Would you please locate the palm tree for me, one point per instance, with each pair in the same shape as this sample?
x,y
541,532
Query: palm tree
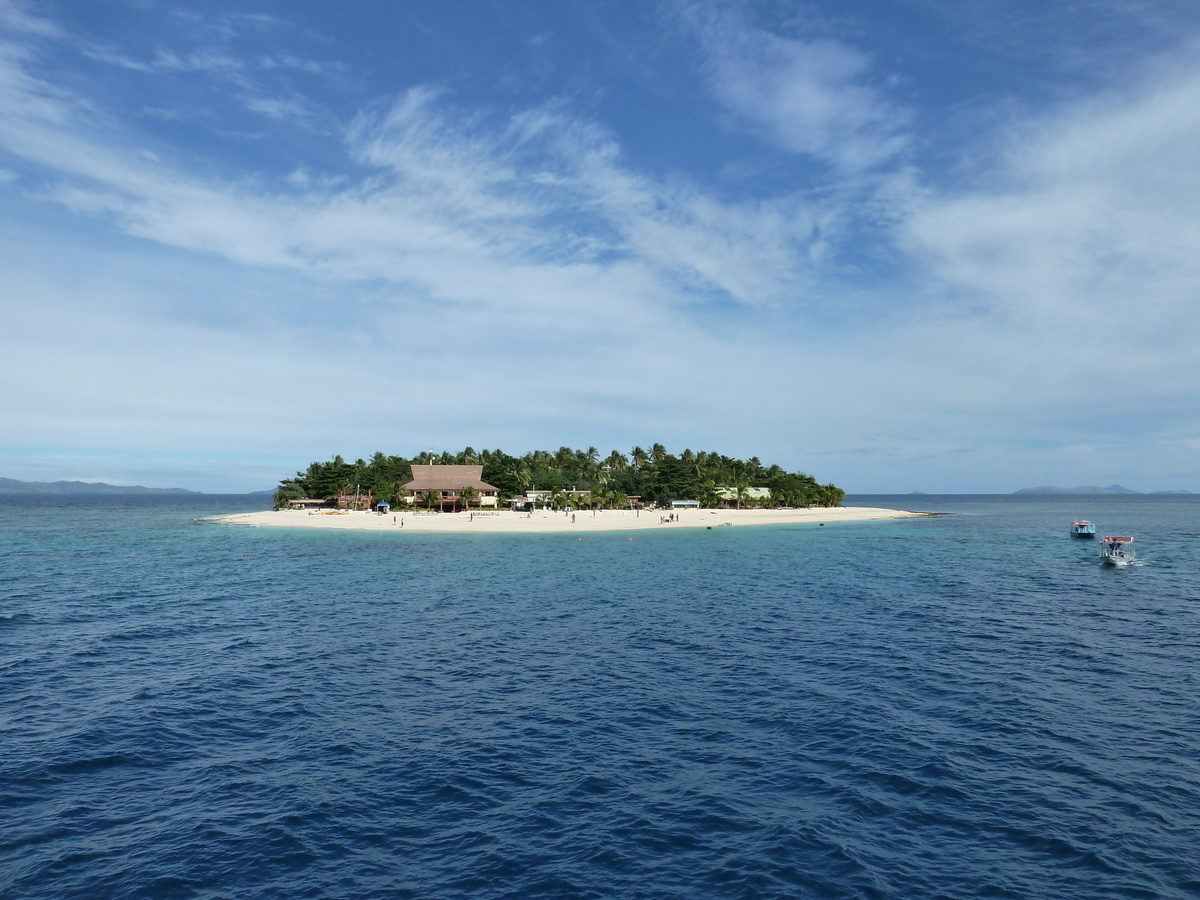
x,y
522,476
754,469
616,461
467,494
743,495
400,496
739,487
658,453
637,456
831,495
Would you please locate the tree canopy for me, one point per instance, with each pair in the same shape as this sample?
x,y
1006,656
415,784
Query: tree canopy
x,y
654,475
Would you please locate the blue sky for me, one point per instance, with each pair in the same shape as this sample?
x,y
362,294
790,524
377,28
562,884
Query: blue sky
x,y
902,246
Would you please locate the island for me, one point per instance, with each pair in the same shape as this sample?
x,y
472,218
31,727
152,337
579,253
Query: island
x,y
13,486
1089,490
563,490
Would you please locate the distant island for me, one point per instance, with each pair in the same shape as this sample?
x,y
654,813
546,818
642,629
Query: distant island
x,y
12,486
1088,489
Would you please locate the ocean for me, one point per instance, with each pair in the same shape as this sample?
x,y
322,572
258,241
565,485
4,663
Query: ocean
x,y
962,706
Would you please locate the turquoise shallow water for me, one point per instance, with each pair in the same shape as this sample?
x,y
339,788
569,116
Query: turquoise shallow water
x,y
951,707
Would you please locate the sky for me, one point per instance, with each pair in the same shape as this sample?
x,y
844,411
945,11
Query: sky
x,y
901,246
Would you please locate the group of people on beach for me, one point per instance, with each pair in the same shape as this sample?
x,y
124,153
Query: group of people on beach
x,y
662,520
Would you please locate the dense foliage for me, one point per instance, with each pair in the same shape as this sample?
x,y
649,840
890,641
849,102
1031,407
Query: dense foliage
x,y
654,475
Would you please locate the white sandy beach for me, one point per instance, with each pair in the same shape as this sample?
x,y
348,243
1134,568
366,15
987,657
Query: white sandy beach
x,y
540,522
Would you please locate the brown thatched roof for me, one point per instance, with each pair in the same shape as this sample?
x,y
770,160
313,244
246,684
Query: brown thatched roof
x,y
448,478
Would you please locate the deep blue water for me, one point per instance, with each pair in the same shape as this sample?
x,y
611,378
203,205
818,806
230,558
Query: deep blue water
x,y
952,707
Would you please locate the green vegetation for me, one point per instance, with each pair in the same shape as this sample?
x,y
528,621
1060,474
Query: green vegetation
x,y
654,475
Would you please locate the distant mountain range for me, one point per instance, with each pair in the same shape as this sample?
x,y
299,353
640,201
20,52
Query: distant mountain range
x,y
12,486
1088,489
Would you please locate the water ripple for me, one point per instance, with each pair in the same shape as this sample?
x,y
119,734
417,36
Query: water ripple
x,y
931,708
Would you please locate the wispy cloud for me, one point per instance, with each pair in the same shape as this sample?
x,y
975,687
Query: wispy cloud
x,y
437,258
813,96
1088,221
537,188
310,66
523,230
268,96
16,17
547,186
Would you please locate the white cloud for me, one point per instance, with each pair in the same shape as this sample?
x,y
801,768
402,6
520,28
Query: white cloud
x,y
469,272
281,106
809,96
206,61
282,109
15,17
474,257
310,66
1083,245
542,192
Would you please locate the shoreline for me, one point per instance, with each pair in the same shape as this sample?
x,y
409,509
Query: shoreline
x,y
548,522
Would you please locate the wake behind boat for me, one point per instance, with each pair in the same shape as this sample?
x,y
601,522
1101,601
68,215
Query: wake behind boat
x,y
1117,551
1083,529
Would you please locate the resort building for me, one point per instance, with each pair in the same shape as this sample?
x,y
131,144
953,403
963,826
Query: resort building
x,y
729,495
449,484
357,500
306,503
572,497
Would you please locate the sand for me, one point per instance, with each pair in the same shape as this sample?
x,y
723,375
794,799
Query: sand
x,y
540,522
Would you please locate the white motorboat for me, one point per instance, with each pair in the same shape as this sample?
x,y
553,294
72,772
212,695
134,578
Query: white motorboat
x,y
1117,551
1083,529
